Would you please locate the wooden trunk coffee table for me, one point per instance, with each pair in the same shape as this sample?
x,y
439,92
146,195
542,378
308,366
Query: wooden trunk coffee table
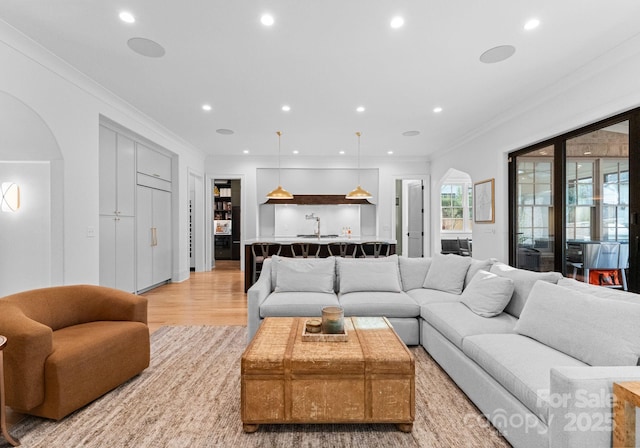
x,y
368,379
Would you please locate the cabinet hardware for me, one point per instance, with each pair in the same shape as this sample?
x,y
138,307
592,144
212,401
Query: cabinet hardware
x,y
154,236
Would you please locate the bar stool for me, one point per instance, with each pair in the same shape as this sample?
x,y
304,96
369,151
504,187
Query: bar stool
x,y
305,250
342,249
260,252
374,249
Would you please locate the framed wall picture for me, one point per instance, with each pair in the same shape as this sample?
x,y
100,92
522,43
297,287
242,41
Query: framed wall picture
x,y
484,201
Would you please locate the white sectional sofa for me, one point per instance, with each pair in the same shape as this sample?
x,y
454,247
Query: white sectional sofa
x,y
537,353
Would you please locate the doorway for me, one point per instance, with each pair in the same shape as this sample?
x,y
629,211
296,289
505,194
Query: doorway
x,y
226,205
409,217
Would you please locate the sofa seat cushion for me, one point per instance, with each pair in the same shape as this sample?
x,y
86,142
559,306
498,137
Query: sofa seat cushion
x,y
291,304
455,321
377,303
521,365
91,359
424,296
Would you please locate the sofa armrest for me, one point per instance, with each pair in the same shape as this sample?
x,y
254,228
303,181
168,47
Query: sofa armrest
x,y
29,344
581,404
257,294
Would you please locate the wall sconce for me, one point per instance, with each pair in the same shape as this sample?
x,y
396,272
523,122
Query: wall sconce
x,y
10,197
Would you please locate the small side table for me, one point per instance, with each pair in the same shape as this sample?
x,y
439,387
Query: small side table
x,y
3,409
626,397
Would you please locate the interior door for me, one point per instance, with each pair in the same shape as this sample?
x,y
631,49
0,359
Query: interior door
x,y
415,222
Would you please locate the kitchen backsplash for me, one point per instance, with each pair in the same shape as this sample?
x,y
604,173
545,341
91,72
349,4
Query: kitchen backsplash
x,y
295,220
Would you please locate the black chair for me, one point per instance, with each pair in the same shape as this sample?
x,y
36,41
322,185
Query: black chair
x,y
342,249
450,247
465,247
374,249
260,252
305,250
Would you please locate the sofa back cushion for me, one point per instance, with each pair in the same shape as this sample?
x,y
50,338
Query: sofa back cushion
x,y
477,265
368,275
413,271
487,294
447,273
599,332
304,274
599,291
523,281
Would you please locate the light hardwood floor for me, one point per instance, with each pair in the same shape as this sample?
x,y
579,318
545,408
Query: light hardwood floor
x,y
215,297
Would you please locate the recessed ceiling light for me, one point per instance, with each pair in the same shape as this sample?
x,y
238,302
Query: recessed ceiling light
x,y
397,22
206,107
146,47
411,133
360,109
295,151
286,108
127,17
437,109
587,153
497,54
224,131
531,24
389,152
246,151
267,20
341,153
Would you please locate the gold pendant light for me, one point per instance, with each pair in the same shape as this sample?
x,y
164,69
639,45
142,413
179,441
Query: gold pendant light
x,y
359,192
279,193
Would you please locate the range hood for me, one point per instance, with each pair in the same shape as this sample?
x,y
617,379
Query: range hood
x,y
318,199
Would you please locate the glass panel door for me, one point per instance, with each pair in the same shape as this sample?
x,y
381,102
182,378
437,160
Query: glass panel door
x,y
597,206
534,213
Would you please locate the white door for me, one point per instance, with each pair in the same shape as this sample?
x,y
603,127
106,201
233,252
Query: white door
x,y
415,221
125,253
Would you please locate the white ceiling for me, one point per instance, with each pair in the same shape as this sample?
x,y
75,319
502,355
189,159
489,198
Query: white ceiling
x,y
325,58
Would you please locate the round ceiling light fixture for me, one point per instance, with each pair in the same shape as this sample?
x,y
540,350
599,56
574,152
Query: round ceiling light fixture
x,y
397,22
532,24
146,47
267,20
127,17
223,131
411,133
360,109
497,54
286,108
206,107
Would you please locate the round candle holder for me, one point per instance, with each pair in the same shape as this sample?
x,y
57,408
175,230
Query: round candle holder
x,y
332,320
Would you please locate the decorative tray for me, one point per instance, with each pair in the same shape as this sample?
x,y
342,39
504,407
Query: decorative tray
x,y
324,337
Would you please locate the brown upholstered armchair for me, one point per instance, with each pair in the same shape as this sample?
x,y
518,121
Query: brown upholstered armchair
x,y
68,345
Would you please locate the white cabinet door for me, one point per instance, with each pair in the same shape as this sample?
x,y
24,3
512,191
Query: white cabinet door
x,y
153,237
144,238
117,252
126,176
107,172
153,163
162,223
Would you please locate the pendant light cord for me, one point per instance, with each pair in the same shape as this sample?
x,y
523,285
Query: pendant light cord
x,y
359,134
279,168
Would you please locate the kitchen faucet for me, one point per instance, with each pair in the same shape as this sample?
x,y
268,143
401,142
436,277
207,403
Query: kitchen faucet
x,y
317,218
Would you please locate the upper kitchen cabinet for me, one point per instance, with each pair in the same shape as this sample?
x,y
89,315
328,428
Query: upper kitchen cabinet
x,y
117,173
154,168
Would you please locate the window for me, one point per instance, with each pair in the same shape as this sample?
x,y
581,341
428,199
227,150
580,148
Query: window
x,y
580,203
456,201
615,200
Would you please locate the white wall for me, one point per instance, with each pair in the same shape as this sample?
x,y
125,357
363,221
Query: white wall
x,y
70,104
606,86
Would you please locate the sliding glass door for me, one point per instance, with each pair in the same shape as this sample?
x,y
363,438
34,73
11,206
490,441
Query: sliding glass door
x,y
574,203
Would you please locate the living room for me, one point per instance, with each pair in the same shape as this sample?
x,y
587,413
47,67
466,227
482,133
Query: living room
x,y
579,66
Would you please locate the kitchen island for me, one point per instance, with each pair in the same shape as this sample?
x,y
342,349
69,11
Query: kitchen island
x,y
285,248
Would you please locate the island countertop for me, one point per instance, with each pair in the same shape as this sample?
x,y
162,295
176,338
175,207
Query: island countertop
x,y
323,240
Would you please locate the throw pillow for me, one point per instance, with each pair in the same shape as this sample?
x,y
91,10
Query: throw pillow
x,y
523,281
599,332
305,275
365,276
487,294
413,272
447,273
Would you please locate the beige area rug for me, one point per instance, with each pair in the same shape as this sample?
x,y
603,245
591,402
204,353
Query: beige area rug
x,y
190,397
